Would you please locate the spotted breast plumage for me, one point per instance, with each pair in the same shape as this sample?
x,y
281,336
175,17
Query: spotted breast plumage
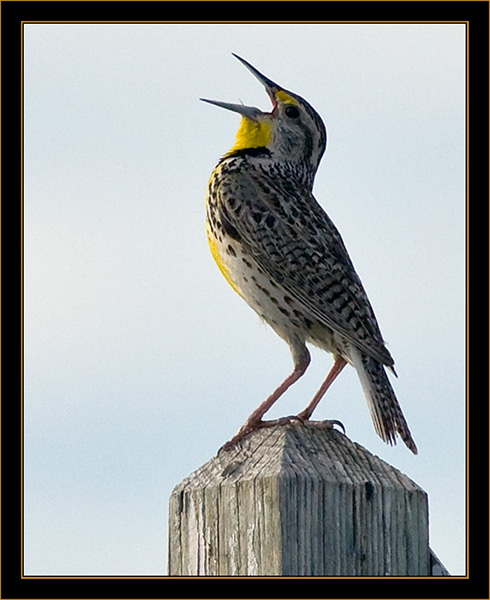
x,y
281,252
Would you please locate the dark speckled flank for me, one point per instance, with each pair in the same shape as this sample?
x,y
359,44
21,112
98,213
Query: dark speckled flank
x,y
286,234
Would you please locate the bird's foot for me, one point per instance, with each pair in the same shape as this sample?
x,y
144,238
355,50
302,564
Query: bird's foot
x,y
254,424
250,425
282,421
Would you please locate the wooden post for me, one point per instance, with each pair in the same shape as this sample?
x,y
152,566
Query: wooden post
x,y
298,500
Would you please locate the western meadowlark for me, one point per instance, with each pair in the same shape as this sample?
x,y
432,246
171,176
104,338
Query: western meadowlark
x,y
281,253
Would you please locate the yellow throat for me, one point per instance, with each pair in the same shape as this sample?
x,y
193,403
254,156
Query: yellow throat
x,y
252,134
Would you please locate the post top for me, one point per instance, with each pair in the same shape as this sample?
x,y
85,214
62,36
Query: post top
x,y
298,450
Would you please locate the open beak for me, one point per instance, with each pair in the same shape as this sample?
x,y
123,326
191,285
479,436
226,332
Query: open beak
x,y
247,111
250,111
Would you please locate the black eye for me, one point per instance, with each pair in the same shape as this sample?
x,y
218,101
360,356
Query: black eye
x,y
292,112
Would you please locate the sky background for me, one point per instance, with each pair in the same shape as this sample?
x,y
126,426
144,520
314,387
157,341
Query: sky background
x,y
140,360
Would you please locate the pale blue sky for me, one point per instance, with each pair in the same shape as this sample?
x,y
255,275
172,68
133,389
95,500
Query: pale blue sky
x,y
140,361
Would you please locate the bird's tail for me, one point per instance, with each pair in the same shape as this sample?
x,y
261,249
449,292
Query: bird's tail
x,y
385,411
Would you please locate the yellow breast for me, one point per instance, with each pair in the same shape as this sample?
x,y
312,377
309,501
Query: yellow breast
x,y
218,257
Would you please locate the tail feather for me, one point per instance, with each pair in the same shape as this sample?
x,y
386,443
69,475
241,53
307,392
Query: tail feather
x,y
385,411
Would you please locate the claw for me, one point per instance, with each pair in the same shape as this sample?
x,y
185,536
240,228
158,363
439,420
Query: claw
x,y
328,423
339,423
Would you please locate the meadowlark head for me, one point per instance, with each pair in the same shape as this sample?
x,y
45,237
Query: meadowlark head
x,y
291,132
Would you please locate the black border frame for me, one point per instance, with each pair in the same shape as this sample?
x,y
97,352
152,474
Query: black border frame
x,y
476,14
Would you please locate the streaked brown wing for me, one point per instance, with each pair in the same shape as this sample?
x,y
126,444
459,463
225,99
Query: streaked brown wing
x,y
294,241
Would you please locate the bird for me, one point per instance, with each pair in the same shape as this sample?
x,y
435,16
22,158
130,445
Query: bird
x,y
281,252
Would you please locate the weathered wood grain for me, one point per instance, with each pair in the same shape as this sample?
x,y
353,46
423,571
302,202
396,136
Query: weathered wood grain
x,y
298,500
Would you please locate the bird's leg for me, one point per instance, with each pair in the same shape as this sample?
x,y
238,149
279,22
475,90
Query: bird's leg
x,y
338,365
301,362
